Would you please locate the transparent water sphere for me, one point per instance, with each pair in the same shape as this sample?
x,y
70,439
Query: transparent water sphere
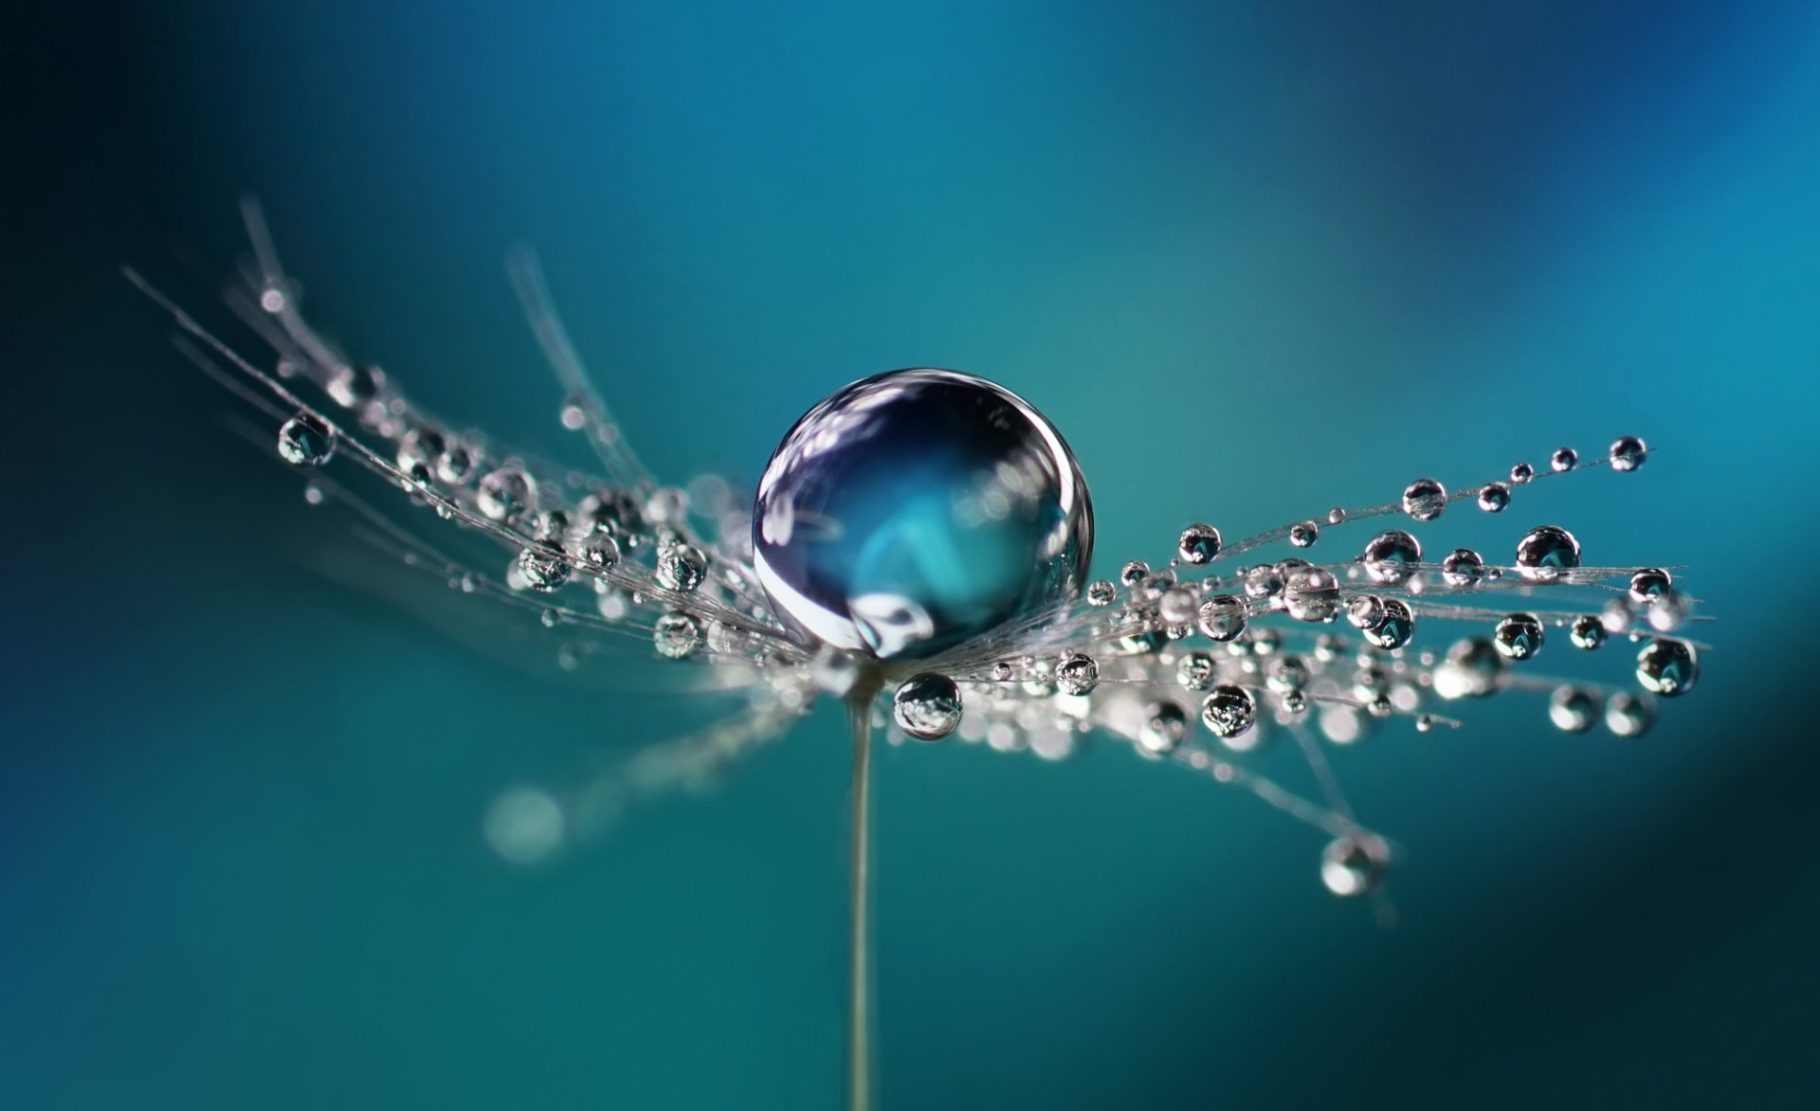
x,y
1667,667
1354,865
927,706
917,510
304,441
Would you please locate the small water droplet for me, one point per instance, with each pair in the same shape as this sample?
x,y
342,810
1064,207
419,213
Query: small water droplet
x,y
355,386
1586,632
1648,584
1354,866
676,636
1165,726
1222,617
1263,582
305,441
1394,626
1572,709
1312,594
1229,711
1287,674
1388,556
1424,499
524,825
1364,610
1628,453
1462,567
1177,606
1547,551
681,568
1199,543
1626,715
505,493
1471,669
1518,636
1194,671
1077,673
598,550
927,706
542,571
1667,667
456,465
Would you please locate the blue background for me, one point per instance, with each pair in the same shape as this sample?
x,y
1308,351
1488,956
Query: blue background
x,y
1252,261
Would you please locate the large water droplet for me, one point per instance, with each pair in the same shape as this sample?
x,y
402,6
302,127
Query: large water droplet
x,y
917,510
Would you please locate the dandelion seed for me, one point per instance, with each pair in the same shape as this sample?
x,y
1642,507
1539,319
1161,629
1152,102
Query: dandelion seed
x,y
960,592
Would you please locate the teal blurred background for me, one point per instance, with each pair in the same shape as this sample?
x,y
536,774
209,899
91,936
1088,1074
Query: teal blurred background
x,y
1253,261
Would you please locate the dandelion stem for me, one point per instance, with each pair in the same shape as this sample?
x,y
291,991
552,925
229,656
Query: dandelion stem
x,y
859,1011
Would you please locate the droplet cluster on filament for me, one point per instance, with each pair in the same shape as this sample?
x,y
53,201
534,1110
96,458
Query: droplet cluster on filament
x,y
923,539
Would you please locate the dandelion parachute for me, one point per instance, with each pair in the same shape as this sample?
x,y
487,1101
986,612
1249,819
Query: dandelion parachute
x,y
946,596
